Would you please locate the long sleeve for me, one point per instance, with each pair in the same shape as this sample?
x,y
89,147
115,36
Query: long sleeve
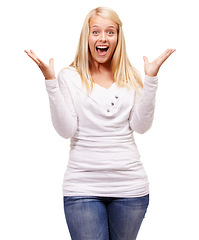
x,y
63,115
142,113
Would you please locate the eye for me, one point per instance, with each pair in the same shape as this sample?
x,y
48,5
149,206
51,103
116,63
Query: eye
x,y
95,32
110,33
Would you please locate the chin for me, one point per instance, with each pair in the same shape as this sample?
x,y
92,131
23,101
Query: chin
x,y
102,60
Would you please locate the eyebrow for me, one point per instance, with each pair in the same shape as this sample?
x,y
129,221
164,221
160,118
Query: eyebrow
x,y
107,27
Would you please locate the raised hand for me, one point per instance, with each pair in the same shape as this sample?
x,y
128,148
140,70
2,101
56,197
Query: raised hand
x,y
47,70
151,68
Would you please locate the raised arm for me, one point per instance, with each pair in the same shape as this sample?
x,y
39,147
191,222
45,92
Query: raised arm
x,y
63,114
142,113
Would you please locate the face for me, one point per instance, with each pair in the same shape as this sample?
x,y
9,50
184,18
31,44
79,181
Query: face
x,y
102,39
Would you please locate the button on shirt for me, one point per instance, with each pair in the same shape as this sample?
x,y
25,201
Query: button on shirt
x,y
103,158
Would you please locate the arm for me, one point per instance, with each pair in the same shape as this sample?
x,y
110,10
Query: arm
x,y
62,110
63,115
142,113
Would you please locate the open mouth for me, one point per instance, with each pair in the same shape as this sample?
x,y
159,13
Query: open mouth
x,y
102,49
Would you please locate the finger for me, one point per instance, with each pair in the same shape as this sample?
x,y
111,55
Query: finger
x,y
41,62
173,50
35,57
32,52
165,55
168,52
32,56
162,56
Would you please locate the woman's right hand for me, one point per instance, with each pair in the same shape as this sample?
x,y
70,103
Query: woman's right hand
x,y
47,70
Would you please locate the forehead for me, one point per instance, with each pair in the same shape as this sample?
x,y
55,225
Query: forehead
x,y
97,21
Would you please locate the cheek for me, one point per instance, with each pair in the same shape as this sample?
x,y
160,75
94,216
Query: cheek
x,y
91,42
90,48
114,44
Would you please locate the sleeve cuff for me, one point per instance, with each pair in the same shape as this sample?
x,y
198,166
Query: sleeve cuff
x,y
153,81
51,83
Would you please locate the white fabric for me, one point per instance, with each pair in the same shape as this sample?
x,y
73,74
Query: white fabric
x,y
103,159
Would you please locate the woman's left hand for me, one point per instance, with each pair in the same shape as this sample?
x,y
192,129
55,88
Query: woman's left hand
x,y
151,68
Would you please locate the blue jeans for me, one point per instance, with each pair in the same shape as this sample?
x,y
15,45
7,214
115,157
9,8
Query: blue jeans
x,y
104,218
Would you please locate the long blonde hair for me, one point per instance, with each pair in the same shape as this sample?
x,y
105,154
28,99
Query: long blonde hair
x,y
125,75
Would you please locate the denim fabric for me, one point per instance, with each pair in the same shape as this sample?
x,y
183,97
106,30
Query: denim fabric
x,y
104,218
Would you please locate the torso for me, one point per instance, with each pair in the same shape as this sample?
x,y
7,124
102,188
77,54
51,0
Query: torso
x,y
103,159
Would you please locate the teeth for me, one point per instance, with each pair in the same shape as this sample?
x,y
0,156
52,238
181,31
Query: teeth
x,y
102,47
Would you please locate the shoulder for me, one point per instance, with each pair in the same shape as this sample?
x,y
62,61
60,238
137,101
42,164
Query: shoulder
x,y
67,74
69,77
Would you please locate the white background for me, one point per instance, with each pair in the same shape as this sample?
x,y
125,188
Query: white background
x,y
34,157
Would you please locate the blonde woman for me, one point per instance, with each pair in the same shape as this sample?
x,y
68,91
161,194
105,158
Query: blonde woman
x,y
98,102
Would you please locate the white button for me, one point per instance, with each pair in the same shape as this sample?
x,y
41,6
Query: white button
x,y
112,104
108,110
116,97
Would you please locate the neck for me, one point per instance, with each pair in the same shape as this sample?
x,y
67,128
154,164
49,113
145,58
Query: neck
x,y
100,67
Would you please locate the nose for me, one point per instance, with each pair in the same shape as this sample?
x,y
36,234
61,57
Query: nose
x,y
103,37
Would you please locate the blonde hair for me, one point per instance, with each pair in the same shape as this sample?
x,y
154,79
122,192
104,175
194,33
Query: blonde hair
x,y
125,75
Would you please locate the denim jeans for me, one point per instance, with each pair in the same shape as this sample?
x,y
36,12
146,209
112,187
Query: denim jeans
x,y
104,218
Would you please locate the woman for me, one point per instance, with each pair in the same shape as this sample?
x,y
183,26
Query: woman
x,y
98,102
